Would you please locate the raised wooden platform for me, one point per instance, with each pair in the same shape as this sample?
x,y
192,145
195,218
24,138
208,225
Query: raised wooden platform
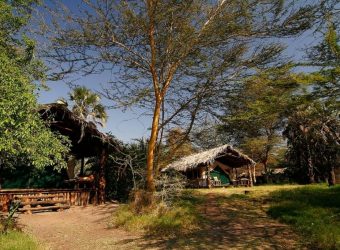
x,y
38,203
37,198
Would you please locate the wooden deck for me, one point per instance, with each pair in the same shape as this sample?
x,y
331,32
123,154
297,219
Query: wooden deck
x,y
202,183
71,197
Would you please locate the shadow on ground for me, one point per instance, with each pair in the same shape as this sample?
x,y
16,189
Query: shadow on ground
x,y
230,223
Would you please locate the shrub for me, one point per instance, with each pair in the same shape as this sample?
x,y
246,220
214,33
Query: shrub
x,y
160,219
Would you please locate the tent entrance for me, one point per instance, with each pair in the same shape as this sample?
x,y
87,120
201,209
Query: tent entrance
x,y
221,175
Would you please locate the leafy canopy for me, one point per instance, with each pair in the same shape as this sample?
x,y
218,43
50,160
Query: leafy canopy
x,y
24,138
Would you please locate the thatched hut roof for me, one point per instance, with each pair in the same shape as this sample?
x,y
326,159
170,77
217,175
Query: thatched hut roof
x,y
86,139
225,154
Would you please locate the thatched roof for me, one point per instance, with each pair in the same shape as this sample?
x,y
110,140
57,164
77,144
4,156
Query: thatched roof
x,y
225,154
86,139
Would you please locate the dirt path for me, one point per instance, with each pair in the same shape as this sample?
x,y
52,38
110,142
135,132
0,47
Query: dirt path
x,y
242,224
77,228
235,223
229,223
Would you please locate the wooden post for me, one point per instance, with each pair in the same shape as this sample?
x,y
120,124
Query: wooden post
x,y
254,173
1,171
101,176
250,177
208,176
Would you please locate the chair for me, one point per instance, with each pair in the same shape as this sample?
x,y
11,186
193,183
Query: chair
x,y
217,182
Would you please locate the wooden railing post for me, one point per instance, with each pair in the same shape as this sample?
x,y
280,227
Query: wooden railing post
x,y
102,181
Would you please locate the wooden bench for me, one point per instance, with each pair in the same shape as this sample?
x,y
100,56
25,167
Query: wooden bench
x,y
41,202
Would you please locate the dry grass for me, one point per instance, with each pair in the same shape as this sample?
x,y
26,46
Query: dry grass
x,y
181,218
14,240
256,191
313,211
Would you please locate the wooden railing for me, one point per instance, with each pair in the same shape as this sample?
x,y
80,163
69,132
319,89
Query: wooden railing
x,y
74,197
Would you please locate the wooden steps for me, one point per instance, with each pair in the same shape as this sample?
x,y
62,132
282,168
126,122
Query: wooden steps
x,y
35,203
53,208
41,202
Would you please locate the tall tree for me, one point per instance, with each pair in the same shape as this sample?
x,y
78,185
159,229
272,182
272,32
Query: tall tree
x,y
173,56
324,60
313,141
24,138
254,120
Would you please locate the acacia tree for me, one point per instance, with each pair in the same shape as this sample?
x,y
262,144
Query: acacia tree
x,y
259,107
325,58
313,141
313,129
172,56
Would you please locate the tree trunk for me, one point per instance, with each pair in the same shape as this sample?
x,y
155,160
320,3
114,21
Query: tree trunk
x,y
265,165
1,170
311,178
71,164
101,177
82,165
331,177
150,185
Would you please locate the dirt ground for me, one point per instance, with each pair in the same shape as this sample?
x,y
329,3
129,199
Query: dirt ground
x,y
230,224
76,228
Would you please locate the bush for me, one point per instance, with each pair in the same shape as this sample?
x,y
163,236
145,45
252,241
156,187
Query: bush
x,y
15,240
170,186
11,238
160,219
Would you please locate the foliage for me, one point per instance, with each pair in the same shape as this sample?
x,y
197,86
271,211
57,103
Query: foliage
x,y
313,141
179,219
257,112
326,57
313,128
173,57
86,105
32,177
169,186
10,236
314,213
177,145
24,138
125,170
14,16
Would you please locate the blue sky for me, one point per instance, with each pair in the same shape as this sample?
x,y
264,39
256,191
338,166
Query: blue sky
x,y
130,124
125,126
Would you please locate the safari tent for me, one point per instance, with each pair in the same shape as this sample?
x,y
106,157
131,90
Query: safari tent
x,y
215,167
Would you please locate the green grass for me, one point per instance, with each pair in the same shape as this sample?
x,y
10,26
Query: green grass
x,y
181,218
14,240
314,211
